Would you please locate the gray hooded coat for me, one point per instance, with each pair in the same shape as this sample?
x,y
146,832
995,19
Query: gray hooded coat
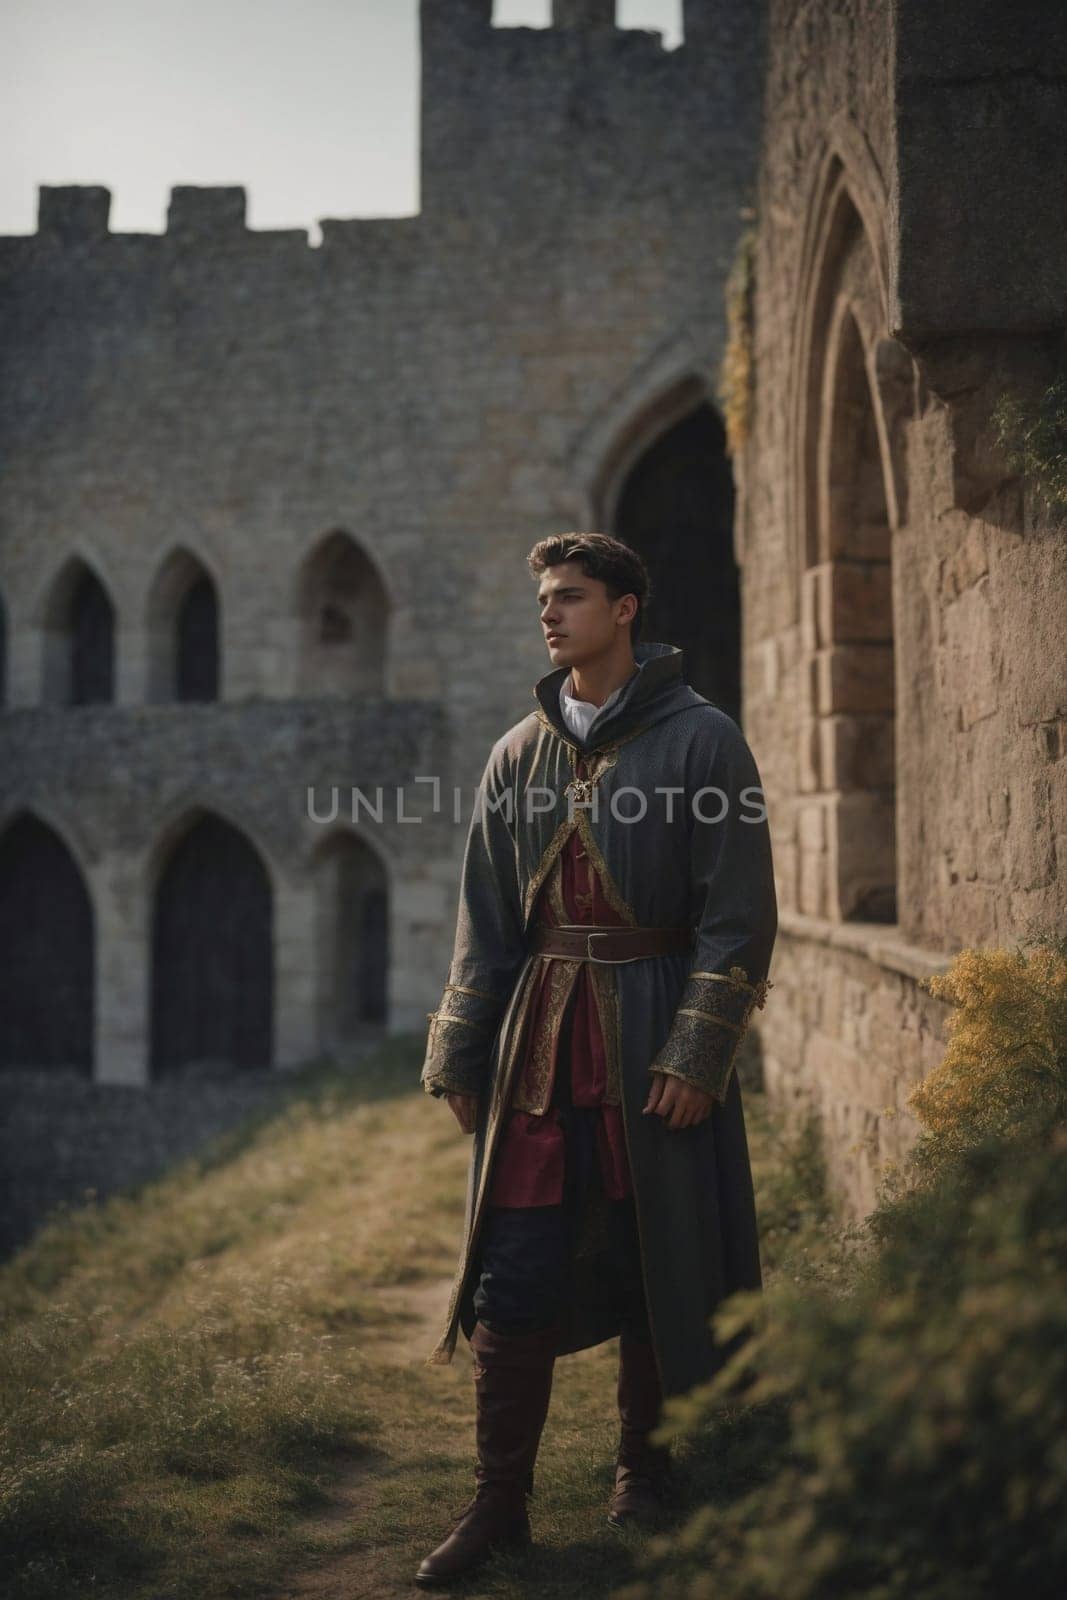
x,y
673,819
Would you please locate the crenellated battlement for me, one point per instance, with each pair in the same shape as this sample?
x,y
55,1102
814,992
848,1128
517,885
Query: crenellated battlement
x,y
208,220
594,116
73,213
196,213
582,108
599,121
78,215
468,18
704,22
583,13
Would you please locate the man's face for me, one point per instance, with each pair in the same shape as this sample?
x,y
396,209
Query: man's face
x,y
578,619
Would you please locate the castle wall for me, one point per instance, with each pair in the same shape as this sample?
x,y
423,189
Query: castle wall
x,y
65,1141
863,110
442,388
448,388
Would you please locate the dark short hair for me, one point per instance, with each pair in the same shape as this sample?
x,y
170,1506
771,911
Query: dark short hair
x,y
619,568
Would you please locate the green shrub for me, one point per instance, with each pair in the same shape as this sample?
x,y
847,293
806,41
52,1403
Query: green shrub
x,y
925,1454
1033,435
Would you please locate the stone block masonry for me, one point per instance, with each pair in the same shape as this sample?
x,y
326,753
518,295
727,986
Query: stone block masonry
x,y
351,445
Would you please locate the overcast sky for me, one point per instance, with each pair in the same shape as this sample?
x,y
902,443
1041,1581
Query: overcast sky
x,y
311,105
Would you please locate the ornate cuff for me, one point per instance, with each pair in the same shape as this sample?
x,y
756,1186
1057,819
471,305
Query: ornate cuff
x,y
460,1039
709,1024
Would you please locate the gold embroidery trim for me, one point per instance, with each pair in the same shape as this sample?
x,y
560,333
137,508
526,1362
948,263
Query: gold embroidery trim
x,y
608,755
709,1016
448,1081
483,994
613,744
548,861
687,1053
606,995
464,1022
538,1074
607,882
737,978
520,1026
554,890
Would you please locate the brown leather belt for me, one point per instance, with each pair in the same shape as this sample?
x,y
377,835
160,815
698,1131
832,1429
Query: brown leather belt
x,y
594,942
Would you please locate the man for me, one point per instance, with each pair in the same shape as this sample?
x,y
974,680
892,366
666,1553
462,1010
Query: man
x,y
616,921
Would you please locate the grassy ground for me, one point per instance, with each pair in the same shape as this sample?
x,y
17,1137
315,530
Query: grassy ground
x,y
218,1387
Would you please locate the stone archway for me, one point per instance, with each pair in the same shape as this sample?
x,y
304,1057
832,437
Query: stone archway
x,y
183,631
351,942
853,395
79,638
212,952
675,506
46,951
342,611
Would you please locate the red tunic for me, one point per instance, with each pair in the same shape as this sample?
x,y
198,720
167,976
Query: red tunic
x,y
530,1162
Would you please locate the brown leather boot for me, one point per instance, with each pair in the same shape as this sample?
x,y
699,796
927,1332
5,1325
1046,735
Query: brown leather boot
x,y
642,1470
512,1385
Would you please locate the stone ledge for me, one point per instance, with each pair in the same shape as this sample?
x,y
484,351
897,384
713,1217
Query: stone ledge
x,y
877,941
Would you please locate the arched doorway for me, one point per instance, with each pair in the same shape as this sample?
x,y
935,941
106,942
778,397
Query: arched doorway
x,y
46,952
212,952
352,942
675,507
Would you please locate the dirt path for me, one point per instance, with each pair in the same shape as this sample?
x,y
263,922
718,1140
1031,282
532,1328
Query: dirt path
x,y
373,1565
422,1308
400,1500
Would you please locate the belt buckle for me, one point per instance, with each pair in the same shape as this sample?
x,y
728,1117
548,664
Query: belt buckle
x,y
605,961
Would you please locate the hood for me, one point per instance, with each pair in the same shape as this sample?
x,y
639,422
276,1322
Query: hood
x,y
656,690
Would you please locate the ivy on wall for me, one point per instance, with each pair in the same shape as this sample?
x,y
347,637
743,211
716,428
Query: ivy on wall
x,y
1032,432
737,373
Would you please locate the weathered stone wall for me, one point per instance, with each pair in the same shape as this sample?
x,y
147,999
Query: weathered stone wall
x,y
65,1141
981,770
437,385
120,783
980,88
865,105
450,387
445,389
849,1033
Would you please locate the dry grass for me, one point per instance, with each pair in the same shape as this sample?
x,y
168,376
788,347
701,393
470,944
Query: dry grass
x,y
217,1387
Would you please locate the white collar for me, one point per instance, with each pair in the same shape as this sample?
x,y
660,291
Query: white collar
x,y
573,700
581,715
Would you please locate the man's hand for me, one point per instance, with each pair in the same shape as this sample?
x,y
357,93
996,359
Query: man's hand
x,y
680,1104
465,1107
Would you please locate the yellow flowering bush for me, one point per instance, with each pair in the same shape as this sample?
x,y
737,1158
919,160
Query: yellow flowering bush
x,y
896,1432
737,375
1006,1057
